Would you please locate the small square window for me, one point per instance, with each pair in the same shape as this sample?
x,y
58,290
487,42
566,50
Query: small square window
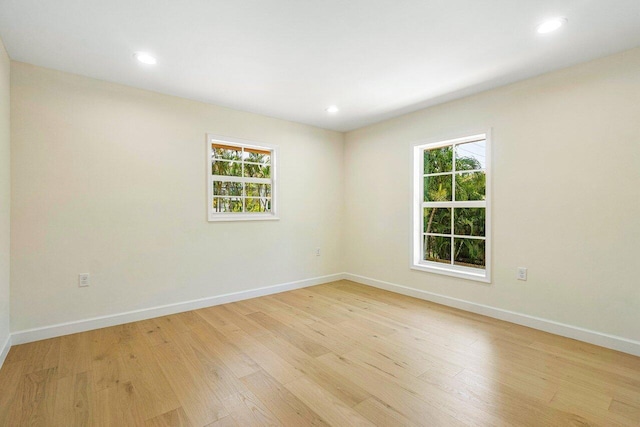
x,y
241,180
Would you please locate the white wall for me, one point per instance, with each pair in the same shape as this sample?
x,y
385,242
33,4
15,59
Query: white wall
x,y
566,185
5,195
110,180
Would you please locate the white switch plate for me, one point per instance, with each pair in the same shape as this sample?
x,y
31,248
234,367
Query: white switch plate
x,y
317,251
522,273
83,280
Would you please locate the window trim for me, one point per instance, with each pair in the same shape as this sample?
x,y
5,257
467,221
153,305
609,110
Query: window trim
x,y
242,216
417,199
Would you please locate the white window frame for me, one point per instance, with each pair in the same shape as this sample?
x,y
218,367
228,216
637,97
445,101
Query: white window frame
x,y
242,216
418,204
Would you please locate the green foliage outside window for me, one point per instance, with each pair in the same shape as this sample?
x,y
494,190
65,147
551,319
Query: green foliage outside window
x,y
233,196
466,183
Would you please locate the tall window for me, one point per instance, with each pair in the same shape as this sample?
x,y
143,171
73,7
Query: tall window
x,y
451,207
242,180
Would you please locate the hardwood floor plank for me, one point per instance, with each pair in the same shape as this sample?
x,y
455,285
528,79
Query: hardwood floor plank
x,y
175,418
196,396
37,402
63,412
191,319
108,372
264,305
218,320
217,344
228,319
14,413
117,406
412,311
162,330
37,356
83,398
75,401
591,361
154,394
325,403
297,339
513,406
389,365
284,405
220,379
403,351
227,421
363,308
339,385
482,363
316,308
530,383
74,354
582,397
333,293
264,357
381,414
406,401
625,395
291,315
474,408
152,332
317,330
559,367
243,307
578,348
247,410
11,376
625,410
104,343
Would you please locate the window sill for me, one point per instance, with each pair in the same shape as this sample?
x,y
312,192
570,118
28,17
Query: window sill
x,y
443,270
243,217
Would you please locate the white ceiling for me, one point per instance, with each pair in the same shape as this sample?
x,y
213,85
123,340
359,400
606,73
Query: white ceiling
x,y
291,59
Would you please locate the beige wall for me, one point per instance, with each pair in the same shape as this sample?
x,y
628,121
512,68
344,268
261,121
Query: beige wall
x,y
566,185
110,180
5,194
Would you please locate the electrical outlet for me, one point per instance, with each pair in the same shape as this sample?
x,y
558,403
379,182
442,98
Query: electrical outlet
x,y
522,273
317,251
83,280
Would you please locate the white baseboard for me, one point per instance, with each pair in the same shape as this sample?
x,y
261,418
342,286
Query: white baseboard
x,y
598,338
36,334
4,350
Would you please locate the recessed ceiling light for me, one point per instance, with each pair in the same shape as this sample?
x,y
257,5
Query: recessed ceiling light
x,y
145,58
551,25
332,109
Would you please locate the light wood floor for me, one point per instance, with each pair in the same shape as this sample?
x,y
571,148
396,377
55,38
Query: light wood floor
x,y
338,354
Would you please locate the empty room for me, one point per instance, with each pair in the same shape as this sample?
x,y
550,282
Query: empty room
x,y
332,213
